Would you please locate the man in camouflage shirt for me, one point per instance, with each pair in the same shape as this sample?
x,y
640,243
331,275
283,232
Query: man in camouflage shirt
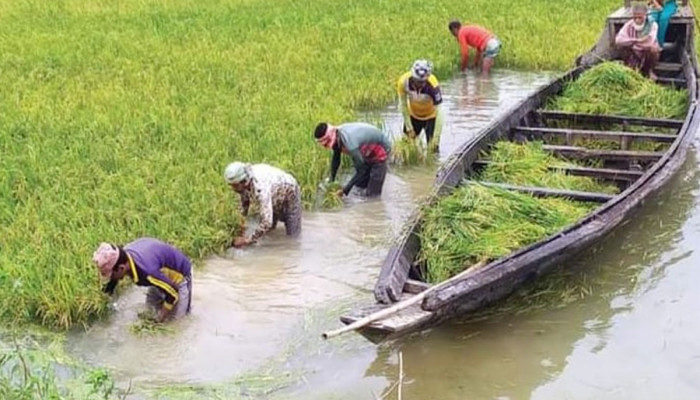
x,y
276,192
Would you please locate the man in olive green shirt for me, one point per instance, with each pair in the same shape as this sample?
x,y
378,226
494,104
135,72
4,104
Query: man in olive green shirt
x,y
369,148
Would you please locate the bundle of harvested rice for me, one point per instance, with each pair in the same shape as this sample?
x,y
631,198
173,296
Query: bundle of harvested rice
x,y
613,88
528,165
477,223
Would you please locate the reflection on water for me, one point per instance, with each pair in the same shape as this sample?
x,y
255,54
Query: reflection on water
x,y
618,322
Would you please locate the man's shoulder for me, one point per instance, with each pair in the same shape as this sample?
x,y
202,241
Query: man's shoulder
x,y
433,81
403,78
270,174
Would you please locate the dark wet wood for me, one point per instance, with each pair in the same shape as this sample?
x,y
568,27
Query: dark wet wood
x,y
593,134
668,67
609,119
413,286
675,82
582,153
390,283
599,173
549,192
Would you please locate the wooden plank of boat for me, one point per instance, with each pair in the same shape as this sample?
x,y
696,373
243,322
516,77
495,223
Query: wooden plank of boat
x,y
593,134
675,82
612,155
399,321
668,67
548,192
613,119
413,286
600,173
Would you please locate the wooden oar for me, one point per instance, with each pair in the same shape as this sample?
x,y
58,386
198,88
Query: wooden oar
x,y
401,305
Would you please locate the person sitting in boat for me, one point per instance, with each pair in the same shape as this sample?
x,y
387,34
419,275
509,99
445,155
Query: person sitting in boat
x,y
420,101
369,148
637,42
486,44
149,262
661,12
276,192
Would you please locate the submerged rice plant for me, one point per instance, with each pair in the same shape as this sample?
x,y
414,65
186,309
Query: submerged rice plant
x,y
328,196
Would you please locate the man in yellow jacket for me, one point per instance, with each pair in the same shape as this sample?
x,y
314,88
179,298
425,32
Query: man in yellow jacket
x,y
420,100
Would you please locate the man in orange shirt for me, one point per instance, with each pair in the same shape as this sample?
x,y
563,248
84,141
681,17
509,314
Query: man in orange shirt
x,y
486,44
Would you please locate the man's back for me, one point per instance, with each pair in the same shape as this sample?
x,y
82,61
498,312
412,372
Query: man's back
x,y
473,36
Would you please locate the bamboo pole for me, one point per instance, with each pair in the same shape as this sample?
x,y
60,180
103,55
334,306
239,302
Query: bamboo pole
x,y
400,373
401,305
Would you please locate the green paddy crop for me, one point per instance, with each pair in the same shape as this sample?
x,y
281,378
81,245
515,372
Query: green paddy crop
x,y
528,165
119,117
479,224
612,88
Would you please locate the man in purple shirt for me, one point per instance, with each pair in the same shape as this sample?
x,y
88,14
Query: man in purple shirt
x,y
153,263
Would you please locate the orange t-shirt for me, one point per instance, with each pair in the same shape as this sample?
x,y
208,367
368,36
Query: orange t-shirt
x,y
473,36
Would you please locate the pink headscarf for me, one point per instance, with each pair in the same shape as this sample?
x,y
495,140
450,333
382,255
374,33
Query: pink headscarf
x,y
105,258
328,139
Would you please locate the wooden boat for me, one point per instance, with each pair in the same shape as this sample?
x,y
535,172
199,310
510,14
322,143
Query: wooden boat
x,y
403,303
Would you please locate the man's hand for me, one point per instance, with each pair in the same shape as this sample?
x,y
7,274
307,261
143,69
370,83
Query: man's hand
x,y
240,242
340,193
163,315
411,133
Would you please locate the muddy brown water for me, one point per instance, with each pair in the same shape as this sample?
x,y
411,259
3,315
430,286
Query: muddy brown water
x,y
619,322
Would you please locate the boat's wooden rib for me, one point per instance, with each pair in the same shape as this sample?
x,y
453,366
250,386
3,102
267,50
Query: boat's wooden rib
x,y
609,119
414,286
593,134
668,67
466,292
610,174
675,82
582,153
549,192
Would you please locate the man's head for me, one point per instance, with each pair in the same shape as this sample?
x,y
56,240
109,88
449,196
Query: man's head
x,y
454,26
639,14
325,135
420,72
111,261
237,175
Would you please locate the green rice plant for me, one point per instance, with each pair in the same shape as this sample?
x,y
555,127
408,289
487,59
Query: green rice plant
x,y
528,165
328,196
406,151
478,223
147,325
612,88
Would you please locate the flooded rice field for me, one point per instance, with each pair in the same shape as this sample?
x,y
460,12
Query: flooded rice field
x,y
619,322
